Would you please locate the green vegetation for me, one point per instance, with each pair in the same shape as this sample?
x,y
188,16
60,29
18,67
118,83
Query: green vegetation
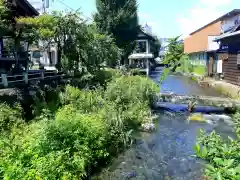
x,y
174,54
199,70
119,18
178,61
173,57
81,47
76,128
77,134
186,67
222,155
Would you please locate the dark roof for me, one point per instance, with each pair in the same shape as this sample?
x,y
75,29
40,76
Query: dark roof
x,y
144,35
27,6
229,14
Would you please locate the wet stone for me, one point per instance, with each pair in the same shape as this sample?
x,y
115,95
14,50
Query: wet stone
x,y
148,127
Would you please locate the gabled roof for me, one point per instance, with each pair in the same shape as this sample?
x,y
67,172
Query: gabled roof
x,y
229,14
27,6
145,35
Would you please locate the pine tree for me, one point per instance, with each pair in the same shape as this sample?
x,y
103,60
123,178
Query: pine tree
x,y
119,18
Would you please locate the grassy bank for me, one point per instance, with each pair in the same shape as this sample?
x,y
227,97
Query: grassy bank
x,y
76,131
188,68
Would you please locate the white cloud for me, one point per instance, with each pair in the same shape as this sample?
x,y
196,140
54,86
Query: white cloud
x,y
203,13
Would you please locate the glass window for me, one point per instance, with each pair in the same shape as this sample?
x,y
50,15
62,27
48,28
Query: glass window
x,y
37,54
141,47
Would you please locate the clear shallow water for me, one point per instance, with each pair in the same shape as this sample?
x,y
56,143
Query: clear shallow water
x,y
181,85
167,153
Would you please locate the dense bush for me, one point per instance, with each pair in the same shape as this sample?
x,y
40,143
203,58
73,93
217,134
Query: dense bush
x,y
104,76
221,154
9,117
85,128
46,98
65,147
131,89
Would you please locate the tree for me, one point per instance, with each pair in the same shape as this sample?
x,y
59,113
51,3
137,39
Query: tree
x,y
119,19
174,53
155,47
173,56
81,47
7,18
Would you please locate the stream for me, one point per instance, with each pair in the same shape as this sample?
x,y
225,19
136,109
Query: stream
x,y
167,153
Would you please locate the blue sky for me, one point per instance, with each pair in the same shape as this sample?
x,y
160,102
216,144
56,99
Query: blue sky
x,y
168,18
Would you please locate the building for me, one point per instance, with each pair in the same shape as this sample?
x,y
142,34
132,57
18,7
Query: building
x,y
142,57
42,58
42,6
8,58
201,45
229,51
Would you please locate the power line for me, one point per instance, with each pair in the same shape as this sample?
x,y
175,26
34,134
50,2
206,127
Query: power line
x,y
62,2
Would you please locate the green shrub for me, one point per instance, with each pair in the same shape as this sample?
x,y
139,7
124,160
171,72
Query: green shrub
x,y
9,117
46,99
85,129
67,147
131,89
85,100
136,72
128,99
199,70
104,76
222,155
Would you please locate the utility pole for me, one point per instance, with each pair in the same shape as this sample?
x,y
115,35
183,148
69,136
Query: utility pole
x,y
43,6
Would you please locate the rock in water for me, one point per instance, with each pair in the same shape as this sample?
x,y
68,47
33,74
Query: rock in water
x,y
148,127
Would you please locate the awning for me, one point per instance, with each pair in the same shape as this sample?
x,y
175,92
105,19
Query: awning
x,y
141,56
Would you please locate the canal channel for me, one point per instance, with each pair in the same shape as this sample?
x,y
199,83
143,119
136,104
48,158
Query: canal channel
x,y
167,153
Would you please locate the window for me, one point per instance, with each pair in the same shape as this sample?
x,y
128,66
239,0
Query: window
x,y
37,54
141,47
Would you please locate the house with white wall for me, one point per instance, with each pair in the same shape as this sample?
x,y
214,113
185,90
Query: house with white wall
x,y
142,57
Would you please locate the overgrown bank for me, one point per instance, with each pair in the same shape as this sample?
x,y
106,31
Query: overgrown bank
x,y
222,155
77,132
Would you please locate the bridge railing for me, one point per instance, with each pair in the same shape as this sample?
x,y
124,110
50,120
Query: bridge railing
x,y
25,78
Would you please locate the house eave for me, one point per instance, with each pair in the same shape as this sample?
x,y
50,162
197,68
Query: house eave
x,y
227,35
